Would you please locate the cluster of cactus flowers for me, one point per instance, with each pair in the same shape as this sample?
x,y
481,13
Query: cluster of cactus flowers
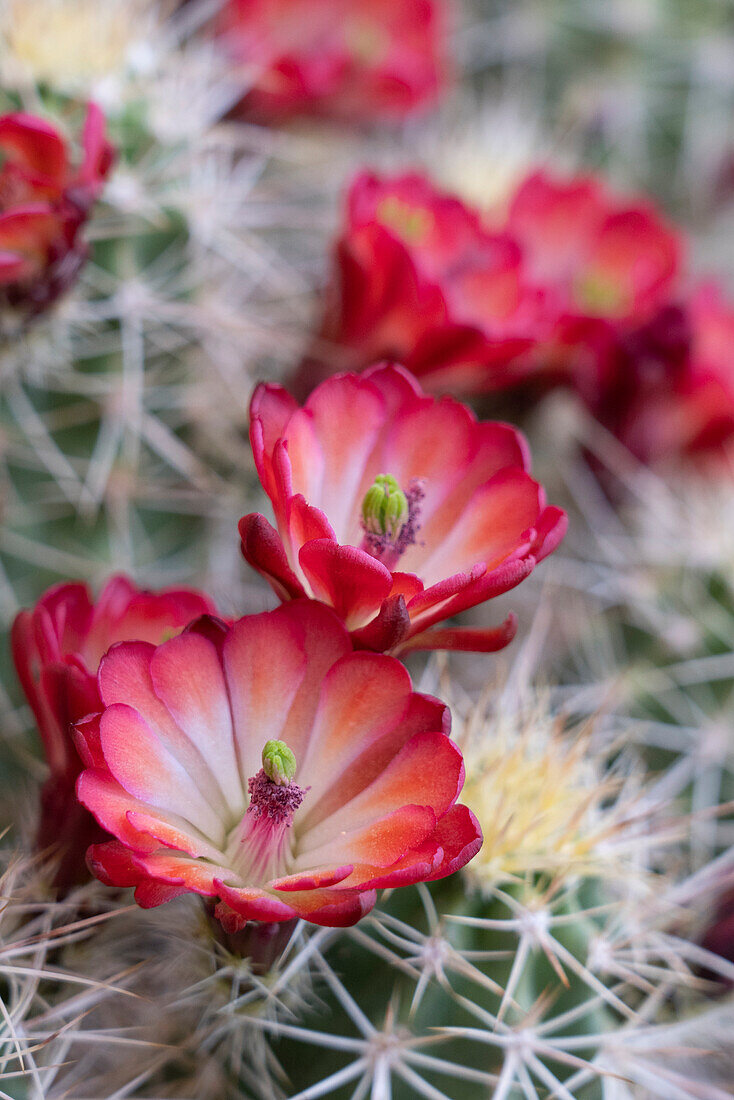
x,y
169,734
564,283
264,782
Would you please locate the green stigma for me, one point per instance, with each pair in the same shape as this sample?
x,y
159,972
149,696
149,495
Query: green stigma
x,y
279,763
385,507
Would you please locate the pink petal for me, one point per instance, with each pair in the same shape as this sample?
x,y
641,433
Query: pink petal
x,y
422,714
270,408
387,630
491,527
264,551
499,445
13,267
30,229
112,863
466,639
456,839
110,803
460,835
188,678
363,697
176,869
466,590
347,413
313,880
328,906
34,144
174,834
305,461
63,695
254,904
305,523
264,666
378,843
142,765
149,894
428,771
397,386
88,742
124,677
550,528
125,613
63,617
325,641
407,585
349,580
98,153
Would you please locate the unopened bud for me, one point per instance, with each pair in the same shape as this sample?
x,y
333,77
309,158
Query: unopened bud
x,y
279,763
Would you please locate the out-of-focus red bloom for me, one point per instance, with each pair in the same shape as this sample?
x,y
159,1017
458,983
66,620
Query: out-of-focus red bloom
x,y
44,202
418,279
180,769
671,394
57,647
719,937
602,256
396,508
357,61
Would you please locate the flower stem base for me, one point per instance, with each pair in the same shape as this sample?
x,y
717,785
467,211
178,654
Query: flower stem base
x,y
260,942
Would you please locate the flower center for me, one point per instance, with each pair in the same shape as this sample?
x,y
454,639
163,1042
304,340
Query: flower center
x,y
411,223
259,847
600,294
390,518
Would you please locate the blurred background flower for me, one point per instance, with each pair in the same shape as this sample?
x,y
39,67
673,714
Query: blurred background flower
x,y
532,204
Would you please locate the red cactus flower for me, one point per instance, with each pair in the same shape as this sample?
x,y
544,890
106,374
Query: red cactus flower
x,y
57,647
44,202
719,936
270,766
382,58
419,280
397,509
607,265
670,397
602,256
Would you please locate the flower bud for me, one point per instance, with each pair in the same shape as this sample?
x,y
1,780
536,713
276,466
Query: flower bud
x,y
279,763
385,507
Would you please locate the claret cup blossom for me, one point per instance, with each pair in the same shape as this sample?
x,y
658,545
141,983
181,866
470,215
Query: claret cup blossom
x,y
356,61
418,278
603,256
45,200
57,647
398,509
272,769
